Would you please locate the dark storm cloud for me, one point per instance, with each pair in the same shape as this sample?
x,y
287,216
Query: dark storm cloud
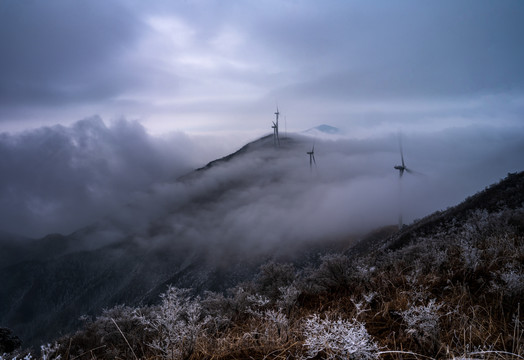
x,y
61,52
204,63
414,50
57,179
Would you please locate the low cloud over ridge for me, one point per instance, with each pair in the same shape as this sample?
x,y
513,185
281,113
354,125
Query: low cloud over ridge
x,y
264,198
59,179
56,179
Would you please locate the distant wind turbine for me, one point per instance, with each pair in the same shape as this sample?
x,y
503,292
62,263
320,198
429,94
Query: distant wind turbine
x,y
312,157
401,169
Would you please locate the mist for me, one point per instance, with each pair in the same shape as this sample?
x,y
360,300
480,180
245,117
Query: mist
x,y
61,179
57,179
266,199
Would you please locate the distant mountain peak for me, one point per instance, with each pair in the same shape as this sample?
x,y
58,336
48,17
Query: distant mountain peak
x,y
323,130
328,129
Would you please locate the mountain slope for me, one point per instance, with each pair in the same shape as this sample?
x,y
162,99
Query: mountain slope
x,y
209,231
170,235
453,290
508,194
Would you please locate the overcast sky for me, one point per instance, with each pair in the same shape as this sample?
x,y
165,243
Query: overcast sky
x,y
108,97
207,66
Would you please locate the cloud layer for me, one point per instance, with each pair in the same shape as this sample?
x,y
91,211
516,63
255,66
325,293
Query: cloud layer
x,y
219,65
265,199
56,179
60,179
449,74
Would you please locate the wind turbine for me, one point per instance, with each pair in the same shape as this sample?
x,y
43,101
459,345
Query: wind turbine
x,y
312,157
401,169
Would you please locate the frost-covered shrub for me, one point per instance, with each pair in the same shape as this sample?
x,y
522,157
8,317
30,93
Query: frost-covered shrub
x,y
360,306
288,297
271,326
417,293
256,304
470,254
177,324
220,309
276,317
338,339
364,271
16,356
273,276
116,333
335,271
422,322
49,352
238,300
369,297
108,325
513,278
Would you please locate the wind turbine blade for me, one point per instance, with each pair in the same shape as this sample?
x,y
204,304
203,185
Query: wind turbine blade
x,y
414,172
401,151
314,159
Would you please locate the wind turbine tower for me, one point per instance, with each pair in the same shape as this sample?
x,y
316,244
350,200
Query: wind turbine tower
x,y
312,157
276,138
401,169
